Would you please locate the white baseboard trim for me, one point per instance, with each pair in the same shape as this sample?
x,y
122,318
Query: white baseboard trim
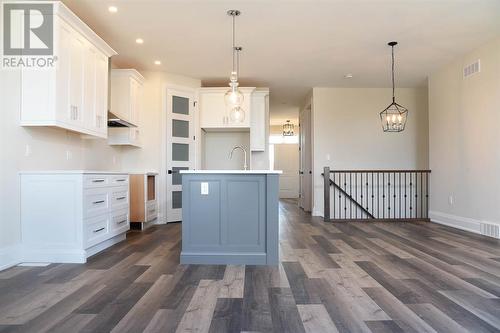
x,y
55,255
10,256
316,212
454,221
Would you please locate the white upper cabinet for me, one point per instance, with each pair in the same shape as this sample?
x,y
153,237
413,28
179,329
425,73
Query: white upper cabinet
x,y
214,114
126,104
126,94
73,94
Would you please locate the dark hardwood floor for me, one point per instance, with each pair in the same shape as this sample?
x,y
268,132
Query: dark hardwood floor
x,y
342,277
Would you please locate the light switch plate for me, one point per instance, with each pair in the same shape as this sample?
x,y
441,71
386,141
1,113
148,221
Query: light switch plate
x,y
204,188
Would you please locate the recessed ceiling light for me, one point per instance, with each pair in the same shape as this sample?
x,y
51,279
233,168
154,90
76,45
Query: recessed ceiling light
x,y
348,76
139,41
112,9
157,62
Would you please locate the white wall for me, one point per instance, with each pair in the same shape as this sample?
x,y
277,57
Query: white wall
x,y
50,148
464,123
347,133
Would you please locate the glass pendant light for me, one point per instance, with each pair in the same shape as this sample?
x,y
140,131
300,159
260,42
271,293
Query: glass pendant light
x,y
237,113
394,116
233,97
288,129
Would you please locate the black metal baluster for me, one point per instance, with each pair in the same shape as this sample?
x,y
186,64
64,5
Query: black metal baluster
x,y
345,198
421,195
406,205
410,201
356,193
367,192
373,210
388,195
399,215
333,174
427,195
383,195
350,193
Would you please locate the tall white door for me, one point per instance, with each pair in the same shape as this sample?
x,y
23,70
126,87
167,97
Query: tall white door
x,y
286,158
180,147
305,201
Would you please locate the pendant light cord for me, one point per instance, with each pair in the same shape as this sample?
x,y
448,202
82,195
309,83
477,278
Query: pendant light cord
x,y
393,95
234,43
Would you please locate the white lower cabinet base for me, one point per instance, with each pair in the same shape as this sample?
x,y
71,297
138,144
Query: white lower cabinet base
x,y
67,216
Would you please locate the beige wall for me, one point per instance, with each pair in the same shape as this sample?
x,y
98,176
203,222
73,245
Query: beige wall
x,y
347,133
464,123
50,147
218,145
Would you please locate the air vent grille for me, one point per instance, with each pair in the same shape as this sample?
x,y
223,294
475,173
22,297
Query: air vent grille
x,y
491,230
472,69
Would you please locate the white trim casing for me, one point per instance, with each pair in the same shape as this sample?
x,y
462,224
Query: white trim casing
x,y
459,222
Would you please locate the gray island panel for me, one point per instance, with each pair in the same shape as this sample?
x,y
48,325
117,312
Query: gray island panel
x,y
236,222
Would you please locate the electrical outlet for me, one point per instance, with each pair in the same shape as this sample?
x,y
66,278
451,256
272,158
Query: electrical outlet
x,y
27,151
114,159
451,200
328,157
204,188
69,155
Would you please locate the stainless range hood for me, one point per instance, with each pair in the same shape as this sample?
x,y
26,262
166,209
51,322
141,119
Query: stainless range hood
x,y
113,120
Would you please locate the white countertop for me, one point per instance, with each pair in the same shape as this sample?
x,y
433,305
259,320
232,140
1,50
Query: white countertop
x,y
244,172
37,172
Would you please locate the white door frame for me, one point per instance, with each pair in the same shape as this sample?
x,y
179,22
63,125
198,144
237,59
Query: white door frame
x,y
306,159
162,183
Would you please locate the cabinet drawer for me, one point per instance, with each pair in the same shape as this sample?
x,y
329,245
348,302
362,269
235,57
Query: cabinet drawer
x,y
92,181
96,202
116,180
119,197
151,211
119,221
96,230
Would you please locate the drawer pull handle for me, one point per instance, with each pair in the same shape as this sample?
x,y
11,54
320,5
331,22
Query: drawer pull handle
x,y
121,180
121,221
100,229
98,202
121,198
98,181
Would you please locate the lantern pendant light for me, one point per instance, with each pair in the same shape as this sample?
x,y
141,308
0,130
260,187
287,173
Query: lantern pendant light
x,y
233,97
394,116
288,129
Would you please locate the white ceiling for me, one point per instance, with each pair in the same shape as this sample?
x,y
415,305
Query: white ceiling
x,y
293,45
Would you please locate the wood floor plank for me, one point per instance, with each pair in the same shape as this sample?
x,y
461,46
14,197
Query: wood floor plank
x,y
316,319
384,326
436,318
227,315
199,312
139,316
232,285
111,315
256,311
284,313
402,315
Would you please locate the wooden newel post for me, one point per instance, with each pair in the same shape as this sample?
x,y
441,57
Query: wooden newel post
x,y
326,194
